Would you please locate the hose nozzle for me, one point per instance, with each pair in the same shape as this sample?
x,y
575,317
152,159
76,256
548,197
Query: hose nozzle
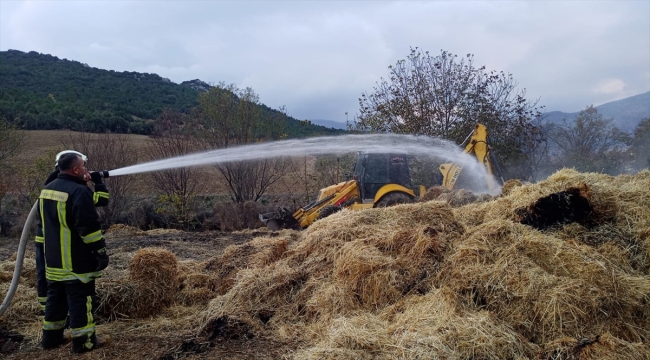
x,y
104,173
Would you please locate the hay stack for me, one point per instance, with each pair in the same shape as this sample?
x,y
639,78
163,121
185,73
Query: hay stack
x,y
430,281
150,286
260,251
351,260
544,287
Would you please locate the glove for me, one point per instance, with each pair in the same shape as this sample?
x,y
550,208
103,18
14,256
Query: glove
x,y
96,177
102,258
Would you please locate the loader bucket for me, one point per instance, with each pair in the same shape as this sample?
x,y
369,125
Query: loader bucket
x,y
280,219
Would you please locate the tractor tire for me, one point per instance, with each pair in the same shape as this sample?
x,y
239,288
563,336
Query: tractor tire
x,y
394,198
328,210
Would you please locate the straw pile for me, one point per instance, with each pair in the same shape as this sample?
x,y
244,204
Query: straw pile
x,y
435,279
150,286
121,230
430,280
259,252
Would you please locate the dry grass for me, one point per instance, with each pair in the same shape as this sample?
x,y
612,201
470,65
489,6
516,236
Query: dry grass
x,y
426,280
493,288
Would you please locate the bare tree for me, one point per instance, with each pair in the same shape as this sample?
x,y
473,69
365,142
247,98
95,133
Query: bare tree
x,y
31,178
178,187
331,169
231,116
640,149
108,151
10,142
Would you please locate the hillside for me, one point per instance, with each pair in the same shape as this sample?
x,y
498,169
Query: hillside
x,y
329,123
43,92
626,113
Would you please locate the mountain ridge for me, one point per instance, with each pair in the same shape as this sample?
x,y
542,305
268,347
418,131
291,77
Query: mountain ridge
x,y
625,113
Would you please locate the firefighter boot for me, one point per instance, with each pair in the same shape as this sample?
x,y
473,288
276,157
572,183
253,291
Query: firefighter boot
x,y
83,343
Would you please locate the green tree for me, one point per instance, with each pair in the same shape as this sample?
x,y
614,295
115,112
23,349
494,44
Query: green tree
x,y
445,96
591,144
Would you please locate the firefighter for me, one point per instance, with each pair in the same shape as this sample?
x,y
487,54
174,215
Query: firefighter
x,y
100,197
75,255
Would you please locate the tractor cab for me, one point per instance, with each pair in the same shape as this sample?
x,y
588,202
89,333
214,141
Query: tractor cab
x,y
373,171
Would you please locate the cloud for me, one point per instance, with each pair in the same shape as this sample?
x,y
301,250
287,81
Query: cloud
x,y
318,57
610,87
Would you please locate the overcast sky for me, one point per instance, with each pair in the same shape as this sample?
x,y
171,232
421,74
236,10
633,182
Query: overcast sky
x,y
317,58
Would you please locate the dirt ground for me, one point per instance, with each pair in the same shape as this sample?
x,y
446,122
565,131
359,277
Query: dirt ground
x,y
145,345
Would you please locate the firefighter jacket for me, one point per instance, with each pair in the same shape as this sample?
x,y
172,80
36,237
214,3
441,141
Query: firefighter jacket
x,y
74,246
100,198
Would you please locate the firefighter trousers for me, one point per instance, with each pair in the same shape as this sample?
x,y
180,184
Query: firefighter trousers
x,y
41,281
75,298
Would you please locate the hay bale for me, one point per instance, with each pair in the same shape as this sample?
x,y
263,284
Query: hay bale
x,y
150,286
154,265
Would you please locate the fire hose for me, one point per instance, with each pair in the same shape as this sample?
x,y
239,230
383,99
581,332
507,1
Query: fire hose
x,y
19,259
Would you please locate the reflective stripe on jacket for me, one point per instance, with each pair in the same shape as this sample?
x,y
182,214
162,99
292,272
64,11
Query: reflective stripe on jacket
x,y
71,230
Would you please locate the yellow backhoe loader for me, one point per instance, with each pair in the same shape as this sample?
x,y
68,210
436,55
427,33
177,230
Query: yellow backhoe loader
x,y
378,180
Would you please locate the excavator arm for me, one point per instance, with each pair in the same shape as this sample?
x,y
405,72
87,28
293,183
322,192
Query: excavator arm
x,y
478,147
330,199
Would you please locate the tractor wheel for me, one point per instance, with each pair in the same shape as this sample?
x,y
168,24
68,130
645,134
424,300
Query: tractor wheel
x,y
328,210
394,198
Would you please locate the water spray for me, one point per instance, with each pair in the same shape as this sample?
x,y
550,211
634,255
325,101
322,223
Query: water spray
x,y
370,143
373,143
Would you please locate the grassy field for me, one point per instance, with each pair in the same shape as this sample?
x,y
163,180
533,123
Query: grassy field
x,y
39,142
